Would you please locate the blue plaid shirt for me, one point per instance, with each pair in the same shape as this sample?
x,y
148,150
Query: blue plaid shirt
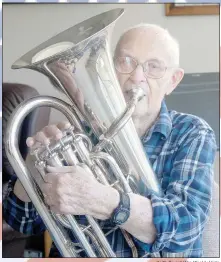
x,y
181,149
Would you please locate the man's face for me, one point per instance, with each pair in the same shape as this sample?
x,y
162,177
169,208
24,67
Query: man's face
x,y
142,46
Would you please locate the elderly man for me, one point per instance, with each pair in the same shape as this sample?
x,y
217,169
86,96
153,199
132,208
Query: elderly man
x,y
180,147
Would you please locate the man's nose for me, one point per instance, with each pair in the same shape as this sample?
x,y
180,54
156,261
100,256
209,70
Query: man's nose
x,y
138,75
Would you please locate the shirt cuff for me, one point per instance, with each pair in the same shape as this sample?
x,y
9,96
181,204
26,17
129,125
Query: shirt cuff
x,y
15,206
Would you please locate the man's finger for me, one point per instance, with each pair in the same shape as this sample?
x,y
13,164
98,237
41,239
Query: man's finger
x,y
63,125
42,138
61,169
49,200
53,131
49,178
37,146
55,209
30,141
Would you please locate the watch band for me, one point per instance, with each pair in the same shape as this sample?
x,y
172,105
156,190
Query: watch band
x,y
124,200
122,212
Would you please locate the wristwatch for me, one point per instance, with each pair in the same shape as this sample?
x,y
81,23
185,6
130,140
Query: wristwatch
x,y
122,212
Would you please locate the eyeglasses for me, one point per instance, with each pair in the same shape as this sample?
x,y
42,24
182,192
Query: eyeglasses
x,y
152,68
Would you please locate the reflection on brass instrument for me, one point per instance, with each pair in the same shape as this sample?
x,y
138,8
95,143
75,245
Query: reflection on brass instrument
x,y
79,63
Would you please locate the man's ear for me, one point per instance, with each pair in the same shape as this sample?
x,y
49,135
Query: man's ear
x,y
175,80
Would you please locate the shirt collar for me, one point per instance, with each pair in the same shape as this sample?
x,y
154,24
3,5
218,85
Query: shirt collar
x,y
162,125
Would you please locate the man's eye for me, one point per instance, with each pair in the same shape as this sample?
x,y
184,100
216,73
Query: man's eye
x,y
153,65
126,60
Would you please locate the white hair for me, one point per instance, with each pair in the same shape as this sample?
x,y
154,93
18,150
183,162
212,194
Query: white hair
x,y
163,35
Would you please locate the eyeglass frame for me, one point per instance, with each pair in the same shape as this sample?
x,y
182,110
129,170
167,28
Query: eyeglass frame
x,y
142,65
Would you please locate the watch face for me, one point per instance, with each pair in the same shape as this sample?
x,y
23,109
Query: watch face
x,y
122,216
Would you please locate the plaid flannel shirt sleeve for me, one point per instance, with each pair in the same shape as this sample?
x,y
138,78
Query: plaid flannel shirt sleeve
x,y
21,216
180,215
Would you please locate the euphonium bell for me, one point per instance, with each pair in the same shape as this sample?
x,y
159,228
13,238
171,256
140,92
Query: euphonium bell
x,y
79,63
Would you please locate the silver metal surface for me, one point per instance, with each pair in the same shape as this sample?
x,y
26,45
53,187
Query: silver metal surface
x,y
58,234
78,62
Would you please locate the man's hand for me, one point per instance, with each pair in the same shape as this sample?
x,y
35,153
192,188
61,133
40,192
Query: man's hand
x,y
74,190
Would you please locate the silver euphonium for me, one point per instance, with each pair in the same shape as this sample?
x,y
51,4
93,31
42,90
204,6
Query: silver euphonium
x,y
78,61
